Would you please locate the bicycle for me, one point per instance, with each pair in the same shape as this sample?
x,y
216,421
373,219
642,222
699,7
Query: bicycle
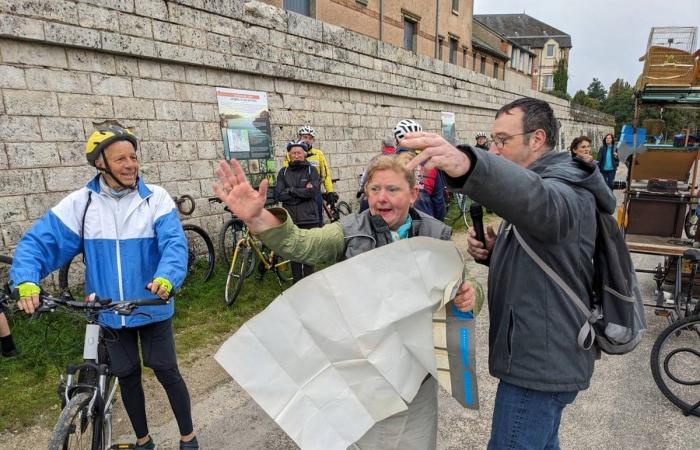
x,y
85,421
229,234
200,248
335,210
246,247
463,203
675,357
200,255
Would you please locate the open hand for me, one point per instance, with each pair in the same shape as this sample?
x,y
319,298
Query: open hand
x,y
436,152
236,192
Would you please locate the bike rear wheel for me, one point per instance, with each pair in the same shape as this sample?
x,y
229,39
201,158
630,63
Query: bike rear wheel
x,y
237,273
344,208
231,232
74,430
200,253
71,277
282,268
675,364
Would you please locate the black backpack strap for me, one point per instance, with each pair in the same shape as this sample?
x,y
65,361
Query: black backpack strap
x,y
87,205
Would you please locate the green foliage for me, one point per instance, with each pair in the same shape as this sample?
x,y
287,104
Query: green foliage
x,y
47,345
561,79
580,98
596,90
560,94
619,103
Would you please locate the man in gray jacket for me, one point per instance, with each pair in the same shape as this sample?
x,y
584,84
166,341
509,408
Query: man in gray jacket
x,y
551,199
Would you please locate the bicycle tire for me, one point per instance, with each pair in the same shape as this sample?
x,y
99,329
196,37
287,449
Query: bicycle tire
x,y
237,274
690,224
5,264
72,270
71,426
232,232
344,208
687,325
283,271
199,245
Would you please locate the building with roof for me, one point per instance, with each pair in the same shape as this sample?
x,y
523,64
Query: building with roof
x,y
491,52
532,37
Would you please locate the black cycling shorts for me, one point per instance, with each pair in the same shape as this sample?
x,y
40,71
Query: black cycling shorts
x,y
157,347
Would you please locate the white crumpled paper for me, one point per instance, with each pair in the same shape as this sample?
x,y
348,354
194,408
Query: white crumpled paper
x,y
347,346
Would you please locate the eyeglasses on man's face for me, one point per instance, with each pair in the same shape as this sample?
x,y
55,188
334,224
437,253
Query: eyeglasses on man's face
x,y
500,140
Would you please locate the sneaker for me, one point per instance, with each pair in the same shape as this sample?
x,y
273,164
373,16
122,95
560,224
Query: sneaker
x,y
189,445
10,353
150,445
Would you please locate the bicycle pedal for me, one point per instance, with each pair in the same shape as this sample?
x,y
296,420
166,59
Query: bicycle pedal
x,y
122,446
662,313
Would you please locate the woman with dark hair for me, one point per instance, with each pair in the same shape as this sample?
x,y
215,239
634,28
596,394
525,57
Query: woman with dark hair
x,y
581,148
608,159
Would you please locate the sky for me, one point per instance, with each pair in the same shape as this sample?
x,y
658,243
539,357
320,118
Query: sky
x,y
607,36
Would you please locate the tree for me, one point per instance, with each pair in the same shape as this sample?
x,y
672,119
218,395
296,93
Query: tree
x,y
596,90
561,76
580,98
619,103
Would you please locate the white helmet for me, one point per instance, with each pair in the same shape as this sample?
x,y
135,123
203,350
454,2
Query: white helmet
x,y
480,134
406,126
306,129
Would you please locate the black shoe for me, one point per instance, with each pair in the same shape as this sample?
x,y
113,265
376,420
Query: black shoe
x,y
10,353
150,445
189,445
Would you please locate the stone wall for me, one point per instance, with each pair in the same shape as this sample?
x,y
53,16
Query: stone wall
x,y
154,65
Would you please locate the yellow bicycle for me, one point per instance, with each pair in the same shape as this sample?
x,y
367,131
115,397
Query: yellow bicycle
x,y
249,249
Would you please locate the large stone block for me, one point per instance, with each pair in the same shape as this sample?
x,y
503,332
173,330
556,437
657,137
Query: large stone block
x,y
90,16
134,108
121,5
152,151
266,15
70,35
172,72
157,9
12,77
164,130
19,129
38,204
196,75
32,54
30,103
201,169
226,26
193,37
208,150
195,93
303,26
189,17
150,173
72,153
130,45
67,178
192,130
79,105
35,154
173,110
12,232
149,69
174,171
168,32
57,80
59,129
135,25
14,182
3,157
218,43
111,85
218,78
154,89
182,150
53,10
212,131
21,27
127,66
91,61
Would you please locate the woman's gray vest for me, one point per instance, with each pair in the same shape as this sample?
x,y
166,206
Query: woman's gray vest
x,y
364,232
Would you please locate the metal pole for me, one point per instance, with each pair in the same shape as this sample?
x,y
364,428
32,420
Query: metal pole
x,y
381,20
437,27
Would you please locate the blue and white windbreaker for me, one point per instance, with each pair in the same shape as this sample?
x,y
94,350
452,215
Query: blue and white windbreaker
x,y
127,243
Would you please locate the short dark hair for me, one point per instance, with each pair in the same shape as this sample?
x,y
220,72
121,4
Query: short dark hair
x,y
576,142
613,139
537,114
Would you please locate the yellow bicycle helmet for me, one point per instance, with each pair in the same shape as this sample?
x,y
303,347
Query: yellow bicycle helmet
x,y
103,137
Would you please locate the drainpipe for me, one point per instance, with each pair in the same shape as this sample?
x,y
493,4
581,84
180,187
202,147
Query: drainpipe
x,y
437,27
381,20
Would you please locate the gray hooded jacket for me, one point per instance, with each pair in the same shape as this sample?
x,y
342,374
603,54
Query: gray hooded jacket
x,y
533,330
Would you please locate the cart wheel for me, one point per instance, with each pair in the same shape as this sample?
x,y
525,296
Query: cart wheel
x,y
691,224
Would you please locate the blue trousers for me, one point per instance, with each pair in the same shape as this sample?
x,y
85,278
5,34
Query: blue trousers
x,y
609,176
525,419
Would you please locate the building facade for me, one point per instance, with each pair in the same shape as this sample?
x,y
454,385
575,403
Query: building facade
x,y
537,48
440,30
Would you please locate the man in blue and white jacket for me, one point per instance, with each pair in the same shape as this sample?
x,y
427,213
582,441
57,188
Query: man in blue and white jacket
x,y
131,237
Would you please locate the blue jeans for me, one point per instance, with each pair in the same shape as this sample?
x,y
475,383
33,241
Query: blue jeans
x,y
609,176
525,419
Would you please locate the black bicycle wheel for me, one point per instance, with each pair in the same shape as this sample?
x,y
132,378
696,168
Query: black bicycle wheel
x,y
690,224
75,428
237,273
282,268
675,363
71,278
231,232
200,253
344,208
5,264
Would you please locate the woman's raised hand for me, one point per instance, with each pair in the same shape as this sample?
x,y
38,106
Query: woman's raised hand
x,y
236,192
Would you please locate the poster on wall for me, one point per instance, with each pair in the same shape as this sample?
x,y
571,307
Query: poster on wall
x,y
244,118
448,127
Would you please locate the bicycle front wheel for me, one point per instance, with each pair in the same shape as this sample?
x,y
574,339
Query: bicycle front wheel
x,y
200,253
75,428
71,278
344,208
237,273
675,364
231,232
282,268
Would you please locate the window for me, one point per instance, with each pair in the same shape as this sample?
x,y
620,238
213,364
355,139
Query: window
x,y
464,55
483,65
409,33
529,65
515,58
548,82
495,70
362,2
298,6
453,50
441,42
455,6
523,61
474,62
550,50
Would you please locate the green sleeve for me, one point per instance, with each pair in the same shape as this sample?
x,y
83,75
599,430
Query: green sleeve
x,y
313,246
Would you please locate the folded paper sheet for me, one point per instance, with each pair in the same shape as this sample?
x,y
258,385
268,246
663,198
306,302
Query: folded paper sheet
x,y
350,345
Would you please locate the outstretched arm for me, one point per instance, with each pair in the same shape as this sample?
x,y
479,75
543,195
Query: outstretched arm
x,y
245,202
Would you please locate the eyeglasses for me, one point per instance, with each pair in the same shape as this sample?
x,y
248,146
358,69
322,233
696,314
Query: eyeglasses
x,y
500,141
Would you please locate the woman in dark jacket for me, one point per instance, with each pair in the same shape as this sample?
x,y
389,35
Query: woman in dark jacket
x,y
297,187
608,159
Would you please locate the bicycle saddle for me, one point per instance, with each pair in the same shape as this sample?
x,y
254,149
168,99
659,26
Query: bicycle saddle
x,y
692,255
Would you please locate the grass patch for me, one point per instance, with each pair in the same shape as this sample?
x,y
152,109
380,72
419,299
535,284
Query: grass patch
x,y
29,381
